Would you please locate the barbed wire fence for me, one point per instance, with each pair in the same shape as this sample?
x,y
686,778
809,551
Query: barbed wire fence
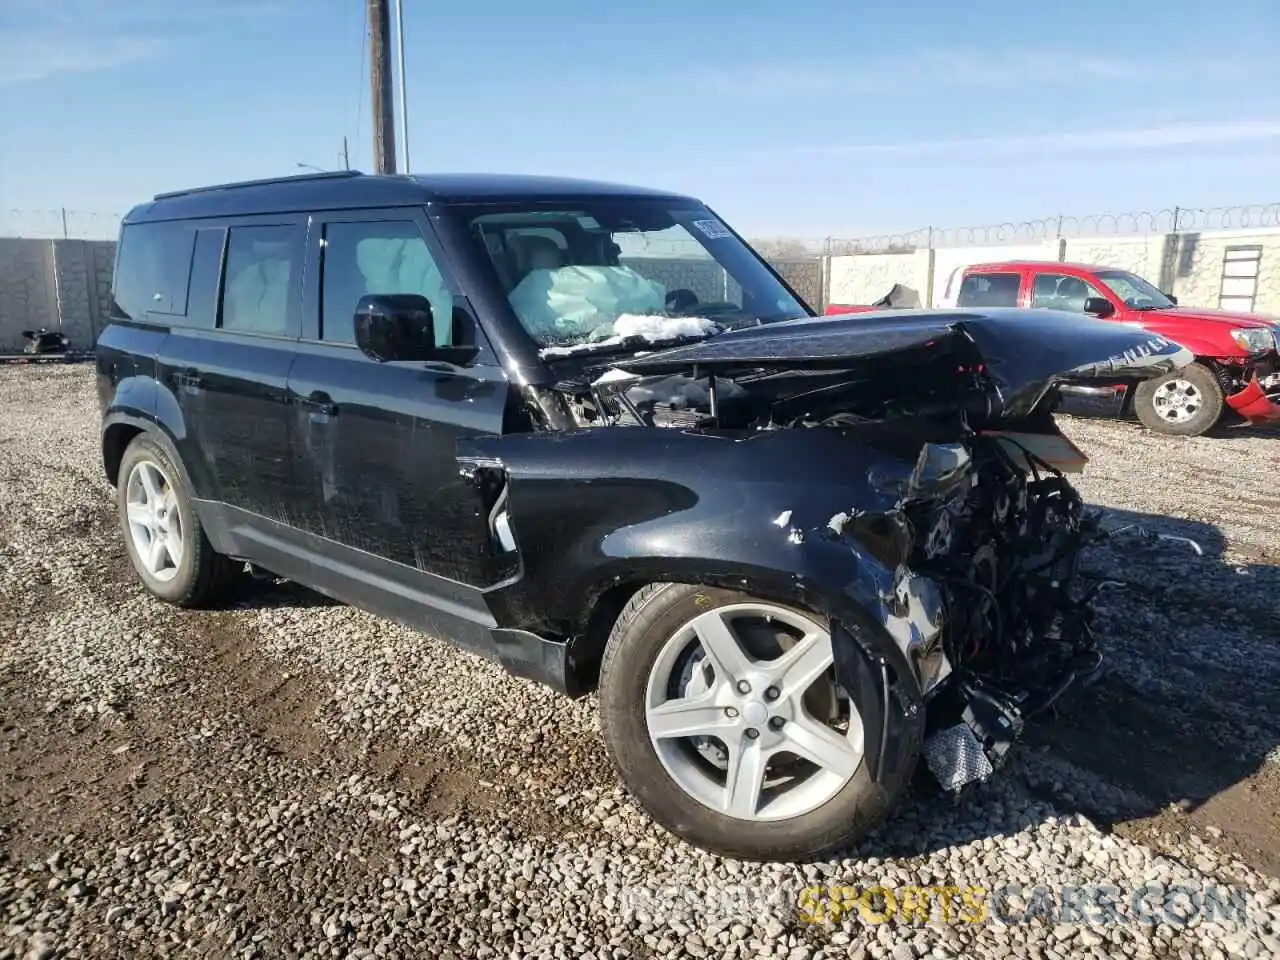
x,y
75,224
61,224
1135,223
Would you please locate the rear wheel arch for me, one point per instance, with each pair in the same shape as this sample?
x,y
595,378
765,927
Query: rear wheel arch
x,y
121,431
115,441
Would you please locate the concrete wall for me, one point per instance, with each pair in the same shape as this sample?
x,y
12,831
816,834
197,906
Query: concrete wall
x,y
1141,255
1188,265
1194,266
867,277
27,295
59,284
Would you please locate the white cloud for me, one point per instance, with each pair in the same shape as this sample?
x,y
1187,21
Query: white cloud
x,y
45,54
1126,138
40,39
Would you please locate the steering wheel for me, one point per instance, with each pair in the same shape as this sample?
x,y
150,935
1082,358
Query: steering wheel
x,y
684,302
681,300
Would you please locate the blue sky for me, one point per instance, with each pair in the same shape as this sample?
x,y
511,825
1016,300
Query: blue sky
x,y
804,118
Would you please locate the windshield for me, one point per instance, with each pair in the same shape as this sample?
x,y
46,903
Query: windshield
x,y
1134,291
595,273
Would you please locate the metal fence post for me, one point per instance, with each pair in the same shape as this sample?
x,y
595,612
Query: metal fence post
x,y
64,224
931,264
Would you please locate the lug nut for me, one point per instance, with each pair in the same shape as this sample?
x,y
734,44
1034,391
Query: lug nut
x,y
744,687
730,712
752,733
775,723
771,693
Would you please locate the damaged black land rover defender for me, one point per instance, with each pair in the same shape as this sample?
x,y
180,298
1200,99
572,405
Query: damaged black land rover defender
x,y
588,432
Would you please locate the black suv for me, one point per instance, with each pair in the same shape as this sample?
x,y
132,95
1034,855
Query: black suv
x,y
586,430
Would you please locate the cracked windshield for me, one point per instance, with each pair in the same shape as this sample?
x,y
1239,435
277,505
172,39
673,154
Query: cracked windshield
x,y
602,274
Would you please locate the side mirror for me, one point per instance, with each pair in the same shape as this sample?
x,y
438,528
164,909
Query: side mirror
x,y
1099,306
400,326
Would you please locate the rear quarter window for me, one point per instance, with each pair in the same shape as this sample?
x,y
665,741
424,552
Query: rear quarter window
x,y
989,290
153,271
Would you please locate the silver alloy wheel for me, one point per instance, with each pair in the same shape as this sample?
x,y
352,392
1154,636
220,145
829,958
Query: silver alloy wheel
x,y
776,760
155,522
1177,400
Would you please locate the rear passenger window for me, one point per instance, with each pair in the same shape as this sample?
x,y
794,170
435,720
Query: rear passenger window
x,y
989,290
154,269
378,256
262,265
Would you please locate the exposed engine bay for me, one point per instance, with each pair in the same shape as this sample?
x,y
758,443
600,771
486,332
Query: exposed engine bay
x,y
1004,546
991,613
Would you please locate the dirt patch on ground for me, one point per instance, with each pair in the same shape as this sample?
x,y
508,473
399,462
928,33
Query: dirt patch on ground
x,y
229,714
1243,820
1181,773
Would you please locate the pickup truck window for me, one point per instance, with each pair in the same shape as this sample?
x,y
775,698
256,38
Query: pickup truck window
x,y
1056,291
1134,291
989,290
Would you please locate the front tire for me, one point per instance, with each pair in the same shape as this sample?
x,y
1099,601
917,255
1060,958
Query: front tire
x,y
723,717
162,533
1184,403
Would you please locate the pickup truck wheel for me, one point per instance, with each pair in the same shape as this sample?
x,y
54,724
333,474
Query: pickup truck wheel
x,y
723,716
162,533
1184,403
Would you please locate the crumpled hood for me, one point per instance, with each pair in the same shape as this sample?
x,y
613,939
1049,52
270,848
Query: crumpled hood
x,y
1024,352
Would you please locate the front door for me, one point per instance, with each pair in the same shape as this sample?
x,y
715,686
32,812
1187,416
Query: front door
x,y
385,511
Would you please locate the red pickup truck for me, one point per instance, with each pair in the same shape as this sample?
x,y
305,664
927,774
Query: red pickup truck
x,y
1237,361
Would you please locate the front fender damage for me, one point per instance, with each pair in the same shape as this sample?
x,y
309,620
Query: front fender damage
x,y
947,581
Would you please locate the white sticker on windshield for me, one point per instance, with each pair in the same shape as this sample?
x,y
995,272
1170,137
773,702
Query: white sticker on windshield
x,y
712,229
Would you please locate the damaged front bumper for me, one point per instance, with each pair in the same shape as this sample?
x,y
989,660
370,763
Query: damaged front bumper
x,y
985,617
1259,402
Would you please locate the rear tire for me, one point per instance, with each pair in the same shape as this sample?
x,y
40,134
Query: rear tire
x,y
1184,403
798,808
162,533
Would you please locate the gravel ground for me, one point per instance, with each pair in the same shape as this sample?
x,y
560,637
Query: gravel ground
x,y
291,777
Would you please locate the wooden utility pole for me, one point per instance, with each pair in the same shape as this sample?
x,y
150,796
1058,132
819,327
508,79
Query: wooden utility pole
x,y
384,118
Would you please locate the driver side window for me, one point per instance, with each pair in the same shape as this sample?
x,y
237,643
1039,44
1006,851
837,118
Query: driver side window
x,y
380,256
1057,291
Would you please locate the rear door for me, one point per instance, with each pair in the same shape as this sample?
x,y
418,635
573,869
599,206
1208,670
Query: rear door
x,y
228,369
386,519
1057,290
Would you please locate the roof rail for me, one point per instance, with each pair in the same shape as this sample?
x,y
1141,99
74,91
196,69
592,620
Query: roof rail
x,y
297,178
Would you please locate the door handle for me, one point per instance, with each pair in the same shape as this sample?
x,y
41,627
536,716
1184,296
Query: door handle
x,y
319,406
188,379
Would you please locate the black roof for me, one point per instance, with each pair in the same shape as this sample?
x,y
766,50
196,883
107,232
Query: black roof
x,y
352,189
